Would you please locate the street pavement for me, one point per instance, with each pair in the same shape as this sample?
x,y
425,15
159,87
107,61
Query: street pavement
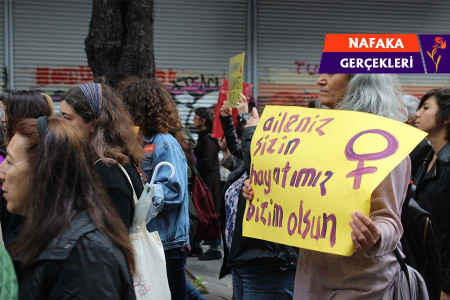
x,y
208,271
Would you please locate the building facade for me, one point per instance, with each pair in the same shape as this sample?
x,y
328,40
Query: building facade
x,y
42,44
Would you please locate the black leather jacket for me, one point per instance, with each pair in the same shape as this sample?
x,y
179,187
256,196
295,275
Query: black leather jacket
x,y
81,264
440,207
233,143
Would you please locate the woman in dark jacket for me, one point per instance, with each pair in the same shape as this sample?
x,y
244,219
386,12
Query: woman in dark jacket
x,y
72,244
98,111
433,190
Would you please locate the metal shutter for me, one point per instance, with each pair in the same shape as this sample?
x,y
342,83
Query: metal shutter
x,y
291,34
49,44
194,41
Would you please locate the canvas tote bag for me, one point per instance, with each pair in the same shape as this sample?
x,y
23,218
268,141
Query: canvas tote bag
x,y
150,280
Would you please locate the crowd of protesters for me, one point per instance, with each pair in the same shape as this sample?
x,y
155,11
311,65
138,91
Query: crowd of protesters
x,y
69,182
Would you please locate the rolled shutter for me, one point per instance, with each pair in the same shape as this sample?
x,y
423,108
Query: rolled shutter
x,y
49,44
291,34
193,43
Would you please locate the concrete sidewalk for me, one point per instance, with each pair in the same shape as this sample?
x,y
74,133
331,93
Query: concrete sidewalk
x,y
209,272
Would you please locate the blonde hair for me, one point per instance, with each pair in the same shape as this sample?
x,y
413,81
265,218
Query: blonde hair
x,y
50,103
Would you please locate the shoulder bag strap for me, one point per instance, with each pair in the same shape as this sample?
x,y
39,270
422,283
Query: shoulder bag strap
x,y
126,175
403,266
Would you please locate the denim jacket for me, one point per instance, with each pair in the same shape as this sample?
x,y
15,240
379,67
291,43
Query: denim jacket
x,y
172,221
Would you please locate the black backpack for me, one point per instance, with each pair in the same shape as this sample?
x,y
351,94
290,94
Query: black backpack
x,y
419,242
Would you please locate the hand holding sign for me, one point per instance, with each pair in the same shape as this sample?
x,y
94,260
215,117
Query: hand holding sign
x,y
225,110
217,131
242,105
312,169
365,234
247,190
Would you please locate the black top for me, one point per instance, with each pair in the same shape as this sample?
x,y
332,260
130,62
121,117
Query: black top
x,y
208,164
434,190
80,264
10,223
118,187
424,195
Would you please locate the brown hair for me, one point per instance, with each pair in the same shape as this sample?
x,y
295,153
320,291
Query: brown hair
x,y
153,109
62,175
113,135
24,104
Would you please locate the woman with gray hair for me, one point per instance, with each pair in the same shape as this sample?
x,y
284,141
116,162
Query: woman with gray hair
x,y
372,270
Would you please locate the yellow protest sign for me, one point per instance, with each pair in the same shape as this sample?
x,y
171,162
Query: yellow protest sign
x,y
312,168
235,78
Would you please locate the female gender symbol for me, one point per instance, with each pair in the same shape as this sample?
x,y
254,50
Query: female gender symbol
x,y
360,170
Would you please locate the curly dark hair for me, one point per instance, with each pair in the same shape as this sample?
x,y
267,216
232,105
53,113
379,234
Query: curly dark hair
x,y
153,109
443,100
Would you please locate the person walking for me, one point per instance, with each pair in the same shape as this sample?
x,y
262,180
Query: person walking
x,y
433,189
98,111
372,270
206,153
155,113
72,243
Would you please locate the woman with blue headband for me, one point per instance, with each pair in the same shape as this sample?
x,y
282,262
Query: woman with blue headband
x,y
98,111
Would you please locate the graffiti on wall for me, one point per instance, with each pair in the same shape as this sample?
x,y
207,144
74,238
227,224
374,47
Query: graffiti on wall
x,y
62,76
190,90
305,67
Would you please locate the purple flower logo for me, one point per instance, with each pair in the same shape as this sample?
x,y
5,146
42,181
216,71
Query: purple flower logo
x,y
439,43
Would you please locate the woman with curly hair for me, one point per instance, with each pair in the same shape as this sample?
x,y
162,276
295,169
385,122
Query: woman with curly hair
x,y
98,111
155,112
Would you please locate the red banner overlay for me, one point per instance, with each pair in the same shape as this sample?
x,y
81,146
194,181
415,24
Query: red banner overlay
x,y
371,43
